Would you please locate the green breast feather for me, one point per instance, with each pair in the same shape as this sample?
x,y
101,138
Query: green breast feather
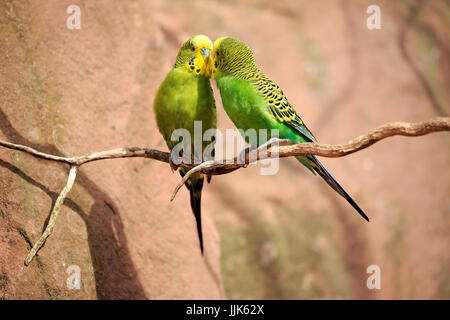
x,y
182,99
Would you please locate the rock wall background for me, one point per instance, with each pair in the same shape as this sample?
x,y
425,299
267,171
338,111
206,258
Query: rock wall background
x,y
72,92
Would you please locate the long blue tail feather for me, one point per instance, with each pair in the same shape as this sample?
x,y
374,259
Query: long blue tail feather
x,y
320,169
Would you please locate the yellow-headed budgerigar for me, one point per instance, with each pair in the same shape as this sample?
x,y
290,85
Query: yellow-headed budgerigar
x,y
186,96
253,101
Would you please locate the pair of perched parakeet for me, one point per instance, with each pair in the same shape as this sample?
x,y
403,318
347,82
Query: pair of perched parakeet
x,y
250,99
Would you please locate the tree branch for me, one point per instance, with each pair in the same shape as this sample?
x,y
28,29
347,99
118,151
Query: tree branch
x,y
228,165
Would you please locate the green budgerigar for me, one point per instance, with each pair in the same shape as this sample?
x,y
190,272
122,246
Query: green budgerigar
x,y
186,96
253,101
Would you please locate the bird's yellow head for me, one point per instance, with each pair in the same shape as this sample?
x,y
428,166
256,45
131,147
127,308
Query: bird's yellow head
x,y
195,56
231,56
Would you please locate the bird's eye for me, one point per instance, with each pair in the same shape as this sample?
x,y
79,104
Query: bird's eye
x,y
193,49
217,53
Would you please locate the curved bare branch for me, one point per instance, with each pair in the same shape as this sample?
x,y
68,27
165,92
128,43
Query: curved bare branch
x,y
227,166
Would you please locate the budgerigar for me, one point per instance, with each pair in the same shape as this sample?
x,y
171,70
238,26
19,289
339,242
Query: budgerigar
x,y
186,96
252,100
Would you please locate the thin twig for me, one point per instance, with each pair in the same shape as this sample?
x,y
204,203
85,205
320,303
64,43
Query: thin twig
x,y
54,214
34,152
200,167
229,165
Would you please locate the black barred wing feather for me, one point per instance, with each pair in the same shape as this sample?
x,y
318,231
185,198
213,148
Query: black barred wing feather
x,y
279,105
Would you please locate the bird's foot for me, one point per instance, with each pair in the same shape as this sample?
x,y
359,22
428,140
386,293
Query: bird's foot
x,y
255,151
174,160
242,155
208,158
273,141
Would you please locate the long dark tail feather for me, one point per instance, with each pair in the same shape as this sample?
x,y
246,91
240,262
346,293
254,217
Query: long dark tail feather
x,y
195,186
196,197
320,169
